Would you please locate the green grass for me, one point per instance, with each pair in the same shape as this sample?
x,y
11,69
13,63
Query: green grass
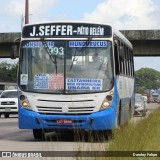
x,y
143,135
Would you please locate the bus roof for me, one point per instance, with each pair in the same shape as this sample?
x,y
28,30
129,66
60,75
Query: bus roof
x,y
65,21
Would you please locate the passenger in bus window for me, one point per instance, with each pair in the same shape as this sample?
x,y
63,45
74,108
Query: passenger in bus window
x,y
39,65
96,65
96,58
97,61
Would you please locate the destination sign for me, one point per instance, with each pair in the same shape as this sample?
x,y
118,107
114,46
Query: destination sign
x,y
51,30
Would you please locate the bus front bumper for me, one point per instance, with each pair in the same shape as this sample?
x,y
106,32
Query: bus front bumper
x,y
102,120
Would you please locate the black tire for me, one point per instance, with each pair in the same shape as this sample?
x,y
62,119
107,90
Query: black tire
x,y
39,134
119,115
6,115
129,112
109,135
100,136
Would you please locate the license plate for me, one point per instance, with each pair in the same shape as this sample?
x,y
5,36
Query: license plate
x,y
64,121
7,109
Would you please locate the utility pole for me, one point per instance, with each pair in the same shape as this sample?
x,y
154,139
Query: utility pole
x,y
27,12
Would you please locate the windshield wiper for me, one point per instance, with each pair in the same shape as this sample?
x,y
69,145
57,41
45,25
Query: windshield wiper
x,y
86,44
53,59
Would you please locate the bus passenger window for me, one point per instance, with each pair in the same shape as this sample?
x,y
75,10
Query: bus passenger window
x,y
117,63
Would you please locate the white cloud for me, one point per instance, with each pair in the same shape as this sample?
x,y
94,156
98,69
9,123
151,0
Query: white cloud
x,y
126,14
40,8
14,8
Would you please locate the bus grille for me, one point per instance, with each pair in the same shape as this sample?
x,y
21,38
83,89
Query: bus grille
x,y
71,110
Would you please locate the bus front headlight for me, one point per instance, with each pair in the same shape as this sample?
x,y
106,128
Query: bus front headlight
x,y
24,102
107,101
105,105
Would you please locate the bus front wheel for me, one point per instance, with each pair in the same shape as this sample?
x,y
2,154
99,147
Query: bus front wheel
x,y
39,134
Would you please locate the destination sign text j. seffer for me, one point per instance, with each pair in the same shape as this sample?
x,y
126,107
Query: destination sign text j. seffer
x,y
66,30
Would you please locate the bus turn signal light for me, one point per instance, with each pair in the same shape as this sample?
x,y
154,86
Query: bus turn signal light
x,y
109,98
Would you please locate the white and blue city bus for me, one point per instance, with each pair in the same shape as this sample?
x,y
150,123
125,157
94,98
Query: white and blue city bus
x,y
74,76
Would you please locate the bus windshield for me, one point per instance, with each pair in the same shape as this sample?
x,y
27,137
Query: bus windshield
x,y
66,66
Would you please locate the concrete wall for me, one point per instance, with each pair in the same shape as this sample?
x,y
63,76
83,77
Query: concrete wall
x,y
145,42
9,37
7,41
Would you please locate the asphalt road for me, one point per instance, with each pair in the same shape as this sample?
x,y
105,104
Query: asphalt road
x,y
14,139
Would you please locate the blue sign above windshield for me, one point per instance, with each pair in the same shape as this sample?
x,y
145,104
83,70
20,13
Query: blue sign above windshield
x,y
87,44
37,44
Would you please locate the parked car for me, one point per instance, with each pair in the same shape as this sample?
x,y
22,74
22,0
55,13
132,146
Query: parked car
x,y
140,105
154,98
8,103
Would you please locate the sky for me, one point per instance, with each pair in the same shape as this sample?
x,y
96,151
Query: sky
x,y
122,14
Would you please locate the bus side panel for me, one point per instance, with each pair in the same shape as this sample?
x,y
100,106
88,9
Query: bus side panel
x,y
125,94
